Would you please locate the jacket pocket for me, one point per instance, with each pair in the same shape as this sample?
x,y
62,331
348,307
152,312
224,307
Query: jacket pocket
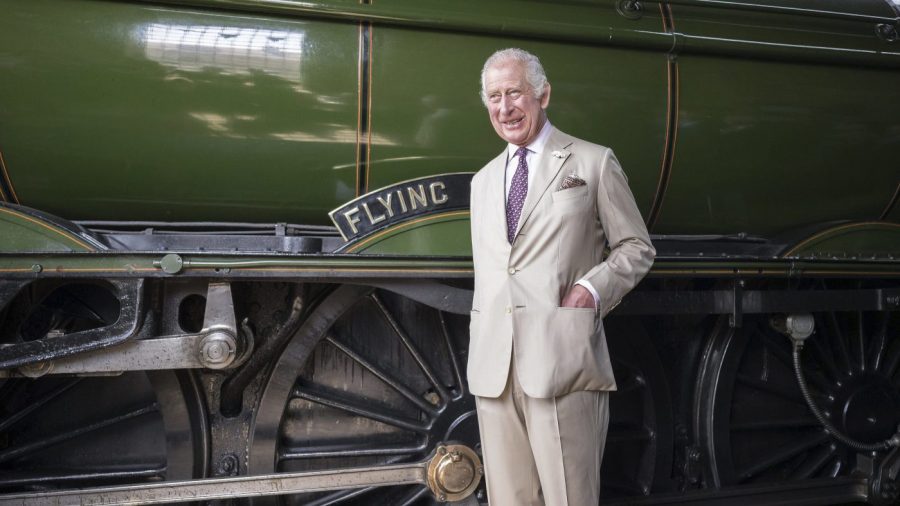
x,y
569,193
577,325
569,200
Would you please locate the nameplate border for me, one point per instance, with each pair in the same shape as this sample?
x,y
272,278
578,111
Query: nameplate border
x,y
401,202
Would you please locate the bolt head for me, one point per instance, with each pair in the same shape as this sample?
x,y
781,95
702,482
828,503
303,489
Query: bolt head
x,y
217,350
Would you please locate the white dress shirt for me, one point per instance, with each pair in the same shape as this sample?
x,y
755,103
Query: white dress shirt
x,y
512,163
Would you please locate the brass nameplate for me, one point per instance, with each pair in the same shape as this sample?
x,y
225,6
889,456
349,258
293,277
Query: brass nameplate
x,y
402,202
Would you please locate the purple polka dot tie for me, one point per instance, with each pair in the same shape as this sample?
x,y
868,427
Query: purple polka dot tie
x,y
518,189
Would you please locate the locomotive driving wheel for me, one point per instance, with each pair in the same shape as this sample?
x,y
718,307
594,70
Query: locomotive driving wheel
x,y
375,378
60,432
752,419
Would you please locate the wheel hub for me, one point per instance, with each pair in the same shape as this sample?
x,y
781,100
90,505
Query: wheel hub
x,y
869,408
454,472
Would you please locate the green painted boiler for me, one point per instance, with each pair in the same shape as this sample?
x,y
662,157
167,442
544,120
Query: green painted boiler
x,y
761,120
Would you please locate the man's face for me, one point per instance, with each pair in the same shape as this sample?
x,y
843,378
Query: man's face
x,y
516,115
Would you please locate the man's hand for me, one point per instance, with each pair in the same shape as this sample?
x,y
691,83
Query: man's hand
x,y
578,296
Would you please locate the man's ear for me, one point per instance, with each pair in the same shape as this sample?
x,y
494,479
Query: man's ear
x,y
545,98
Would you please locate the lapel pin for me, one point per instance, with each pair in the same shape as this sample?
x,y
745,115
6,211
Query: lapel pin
x,y
558,154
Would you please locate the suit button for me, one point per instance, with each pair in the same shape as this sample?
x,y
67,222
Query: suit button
x,y
512,270
508,310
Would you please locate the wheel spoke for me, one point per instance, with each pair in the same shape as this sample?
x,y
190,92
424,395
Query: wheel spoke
x,y
461,384
838,335
893,360
825,359
343,405
813,464
384,376
348,450
339,497
835,468
860,341
13,418
811,376
783,454
413,350
772,388
879,344
24,478
27,448
410,497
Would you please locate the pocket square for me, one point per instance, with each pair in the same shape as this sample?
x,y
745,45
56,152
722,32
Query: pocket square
x,y
571,181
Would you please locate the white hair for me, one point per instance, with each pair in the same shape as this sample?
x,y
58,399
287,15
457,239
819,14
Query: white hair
x,y
534,71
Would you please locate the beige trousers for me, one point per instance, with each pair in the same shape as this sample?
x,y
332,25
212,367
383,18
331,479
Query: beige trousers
x,y
543,451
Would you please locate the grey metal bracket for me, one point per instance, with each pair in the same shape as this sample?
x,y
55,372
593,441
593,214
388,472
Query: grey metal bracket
x,y
217,346
130,293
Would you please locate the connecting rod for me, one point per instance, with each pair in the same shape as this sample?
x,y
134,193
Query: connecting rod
x,y
452,473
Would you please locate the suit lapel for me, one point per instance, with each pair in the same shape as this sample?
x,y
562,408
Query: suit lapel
x,y
496,194
547,166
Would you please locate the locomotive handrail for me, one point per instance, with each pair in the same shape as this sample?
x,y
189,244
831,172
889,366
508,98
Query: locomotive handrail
x,y
445,17
782,9
634,36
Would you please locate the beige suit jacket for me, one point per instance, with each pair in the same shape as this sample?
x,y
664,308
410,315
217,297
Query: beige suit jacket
x,y
560,239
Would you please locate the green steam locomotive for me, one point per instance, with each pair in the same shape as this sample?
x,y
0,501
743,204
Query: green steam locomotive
x,y
235,257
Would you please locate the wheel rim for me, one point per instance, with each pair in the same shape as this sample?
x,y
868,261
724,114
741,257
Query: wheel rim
x,y
751,416
639,444
372,378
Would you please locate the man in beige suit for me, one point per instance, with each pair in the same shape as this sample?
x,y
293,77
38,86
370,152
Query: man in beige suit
x,y
542,213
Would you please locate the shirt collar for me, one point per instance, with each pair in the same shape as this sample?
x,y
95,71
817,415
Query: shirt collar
x,y
537,145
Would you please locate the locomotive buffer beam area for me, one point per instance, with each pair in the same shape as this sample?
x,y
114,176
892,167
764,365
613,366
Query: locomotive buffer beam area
x,y
452,473
219,345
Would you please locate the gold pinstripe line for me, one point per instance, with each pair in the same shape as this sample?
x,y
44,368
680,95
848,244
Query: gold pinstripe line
x,y
771,271
8,180
405,224
672,104
891,203
369,107
317,269
61,232
662,163
359,99
838,228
